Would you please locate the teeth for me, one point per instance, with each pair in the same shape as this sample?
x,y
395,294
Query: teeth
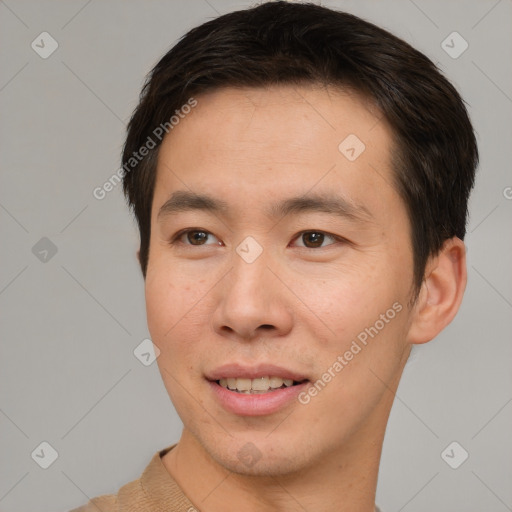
x,y
243,384
261,384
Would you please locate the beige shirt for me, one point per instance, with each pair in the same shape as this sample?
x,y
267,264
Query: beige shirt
x,y
155,491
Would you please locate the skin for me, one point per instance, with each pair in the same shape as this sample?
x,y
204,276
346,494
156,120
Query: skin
x,y
297,305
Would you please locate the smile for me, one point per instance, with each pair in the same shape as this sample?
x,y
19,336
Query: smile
x,y
256,402
256,386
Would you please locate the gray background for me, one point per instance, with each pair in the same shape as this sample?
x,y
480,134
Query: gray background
x,y
70,324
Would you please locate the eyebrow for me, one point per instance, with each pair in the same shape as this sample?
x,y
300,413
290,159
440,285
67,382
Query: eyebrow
x,y
183,201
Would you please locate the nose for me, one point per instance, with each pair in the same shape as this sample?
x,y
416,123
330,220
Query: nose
x,y
252,301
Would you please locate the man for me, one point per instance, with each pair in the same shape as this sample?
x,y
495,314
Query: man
x,y
300,179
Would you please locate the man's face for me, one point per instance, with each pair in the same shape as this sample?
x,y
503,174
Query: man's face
x,y
251,286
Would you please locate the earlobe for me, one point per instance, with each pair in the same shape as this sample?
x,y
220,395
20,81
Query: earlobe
x,y
441,292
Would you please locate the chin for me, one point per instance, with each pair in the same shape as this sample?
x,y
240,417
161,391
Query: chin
x,y
257,454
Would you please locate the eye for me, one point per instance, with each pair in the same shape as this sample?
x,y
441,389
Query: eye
x,y
199,236
193,237
315,239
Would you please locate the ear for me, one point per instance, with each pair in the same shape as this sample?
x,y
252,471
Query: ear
x,y
138,256
441,292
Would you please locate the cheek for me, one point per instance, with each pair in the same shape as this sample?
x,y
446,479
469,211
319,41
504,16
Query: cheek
x,y
176,308
162,304
174,311
356,307
165,311
343,298
168,293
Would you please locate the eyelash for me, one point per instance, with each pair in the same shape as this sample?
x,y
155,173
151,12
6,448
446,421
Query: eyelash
x,y
175,240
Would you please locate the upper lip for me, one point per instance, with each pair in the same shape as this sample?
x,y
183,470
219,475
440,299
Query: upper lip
x,y
240,370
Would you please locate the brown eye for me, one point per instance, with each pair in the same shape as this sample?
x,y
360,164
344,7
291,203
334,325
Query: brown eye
x,y
314,239
194,237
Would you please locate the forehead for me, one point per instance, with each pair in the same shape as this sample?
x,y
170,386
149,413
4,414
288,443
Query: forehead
x,y
250,146
271,116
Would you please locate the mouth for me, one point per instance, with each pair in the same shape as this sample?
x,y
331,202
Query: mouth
x,y
255,389
257,386
260,396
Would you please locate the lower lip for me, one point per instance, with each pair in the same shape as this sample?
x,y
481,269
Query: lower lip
x,y
258,404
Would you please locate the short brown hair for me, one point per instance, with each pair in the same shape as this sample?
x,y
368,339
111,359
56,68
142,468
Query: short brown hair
x,y
435,154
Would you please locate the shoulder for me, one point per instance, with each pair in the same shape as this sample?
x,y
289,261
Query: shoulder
x,y
153,487
131,496
154,490
131,493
